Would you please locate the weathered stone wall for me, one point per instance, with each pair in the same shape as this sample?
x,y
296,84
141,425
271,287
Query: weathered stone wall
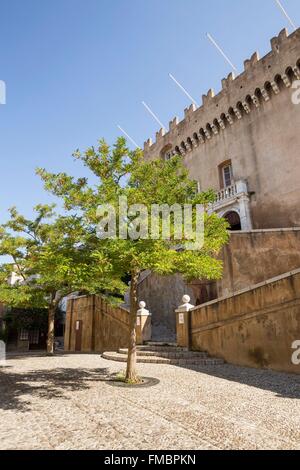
x,y
163,294
104,327
252,257
253,328
249,258
253,123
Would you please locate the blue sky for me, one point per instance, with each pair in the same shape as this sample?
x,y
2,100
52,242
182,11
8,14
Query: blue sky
x,y
74,69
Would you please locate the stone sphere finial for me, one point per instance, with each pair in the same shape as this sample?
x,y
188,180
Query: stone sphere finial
x,y
186,299
142,304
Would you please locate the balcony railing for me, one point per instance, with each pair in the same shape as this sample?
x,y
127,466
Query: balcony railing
x,y
228,195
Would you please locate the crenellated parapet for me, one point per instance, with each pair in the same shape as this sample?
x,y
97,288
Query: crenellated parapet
x,y
261,80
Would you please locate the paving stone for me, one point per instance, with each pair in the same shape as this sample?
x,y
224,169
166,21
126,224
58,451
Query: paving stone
x,y
66,402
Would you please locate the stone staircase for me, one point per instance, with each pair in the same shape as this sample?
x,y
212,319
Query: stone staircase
x,y
165,353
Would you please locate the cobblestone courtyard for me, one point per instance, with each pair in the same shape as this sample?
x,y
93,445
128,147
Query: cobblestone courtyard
x,y
67,402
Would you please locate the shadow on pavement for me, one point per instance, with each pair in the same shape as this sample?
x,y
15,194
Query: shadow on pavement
x,y
48,384
283,385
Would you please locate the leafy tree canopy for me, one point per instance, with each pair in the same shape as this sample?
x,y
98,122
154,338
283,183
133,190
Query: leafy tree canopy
x,y
123,173
49,258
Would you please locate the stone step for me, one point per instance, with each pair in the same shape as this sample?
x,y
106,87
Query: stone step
x,y
161,349
168,354
114,356
161,343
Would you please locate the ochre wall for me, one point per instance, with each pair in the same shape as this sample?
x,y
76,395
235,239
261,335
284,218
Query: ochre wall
x,y
249,258
253,328
104,327
252,257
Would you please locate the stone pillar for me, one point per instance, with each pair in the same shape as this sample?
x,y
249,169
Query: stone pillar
x,y
244,205
143,324
183,323
245,214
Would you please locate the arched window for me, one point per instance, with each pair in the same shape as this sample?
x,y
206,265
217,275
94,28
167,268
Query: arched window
x,y
190,143
225,174
195,137
249,101
240,107
289,72
223,118
216,123
268,88
202,133
259,95
177,150
279,82
166,152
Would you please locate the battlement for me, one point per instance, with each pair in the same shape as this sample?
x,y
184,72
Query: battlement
x,y
261,79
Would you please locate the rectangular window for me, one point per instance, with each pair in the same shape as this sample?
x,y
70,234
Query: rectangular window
x,y
24,335
227,176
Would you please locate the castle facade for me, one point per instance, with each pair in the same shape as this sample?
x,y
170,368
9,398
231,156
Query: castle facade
x,y
244,141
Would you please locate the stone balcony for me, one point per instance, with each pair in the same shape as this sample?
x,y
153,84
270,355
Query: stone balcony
x,y
234,198
225,196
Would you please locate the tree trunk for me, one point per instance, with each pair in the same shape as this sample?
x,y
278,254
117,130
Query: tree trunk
x,y
51,324
131,374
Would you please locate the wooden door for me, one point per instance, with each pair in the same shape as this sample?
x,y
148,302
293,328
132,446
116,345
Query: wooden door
x,y
78,337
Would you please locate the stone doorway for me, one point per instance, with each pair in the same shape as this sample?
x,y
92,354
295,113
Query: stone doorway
x,y
234,220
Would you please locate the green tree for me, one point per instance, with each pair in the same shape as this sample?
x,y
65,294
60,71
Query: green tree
x,y
49,258
119,173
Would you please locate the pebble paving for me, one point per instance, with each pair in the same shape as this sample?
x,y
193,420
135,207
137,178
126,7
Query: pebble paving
x,y
68,402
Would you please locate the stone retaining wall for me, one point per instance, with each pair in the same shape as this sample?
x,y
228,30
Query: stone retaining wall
x,y
252,257
255,327
103,327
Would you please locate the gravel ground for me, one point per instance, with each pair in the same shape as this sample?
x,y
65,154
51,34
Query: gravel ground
x,y
67,402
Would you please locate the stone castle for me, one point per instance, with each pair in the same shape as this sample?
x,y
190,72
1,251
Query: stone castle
x,y
244,143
